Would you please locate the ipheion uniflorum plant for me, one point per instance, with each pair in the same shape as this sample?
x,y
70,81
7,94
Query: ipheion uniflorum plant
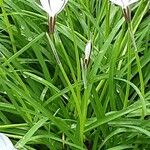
x,y
53,8
125,7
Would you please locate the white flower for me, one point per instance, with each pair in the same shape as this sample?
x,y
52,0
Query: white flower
x,y
5,143
53,7
123,3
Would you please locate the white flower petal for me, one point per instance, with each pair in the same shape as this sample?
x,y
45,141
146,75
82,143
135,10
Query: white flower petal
x,y
53,7
117,2
131,1
5,143
123,3
46,7
57,6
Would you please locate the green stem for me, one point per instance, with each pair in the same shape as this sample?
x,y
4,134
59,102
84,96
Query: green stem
x,y
128,71
139,68
77,57
76,100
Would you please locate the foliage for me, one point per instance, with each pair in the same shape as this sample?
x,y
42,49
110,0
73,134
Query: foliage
x,y
43,101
